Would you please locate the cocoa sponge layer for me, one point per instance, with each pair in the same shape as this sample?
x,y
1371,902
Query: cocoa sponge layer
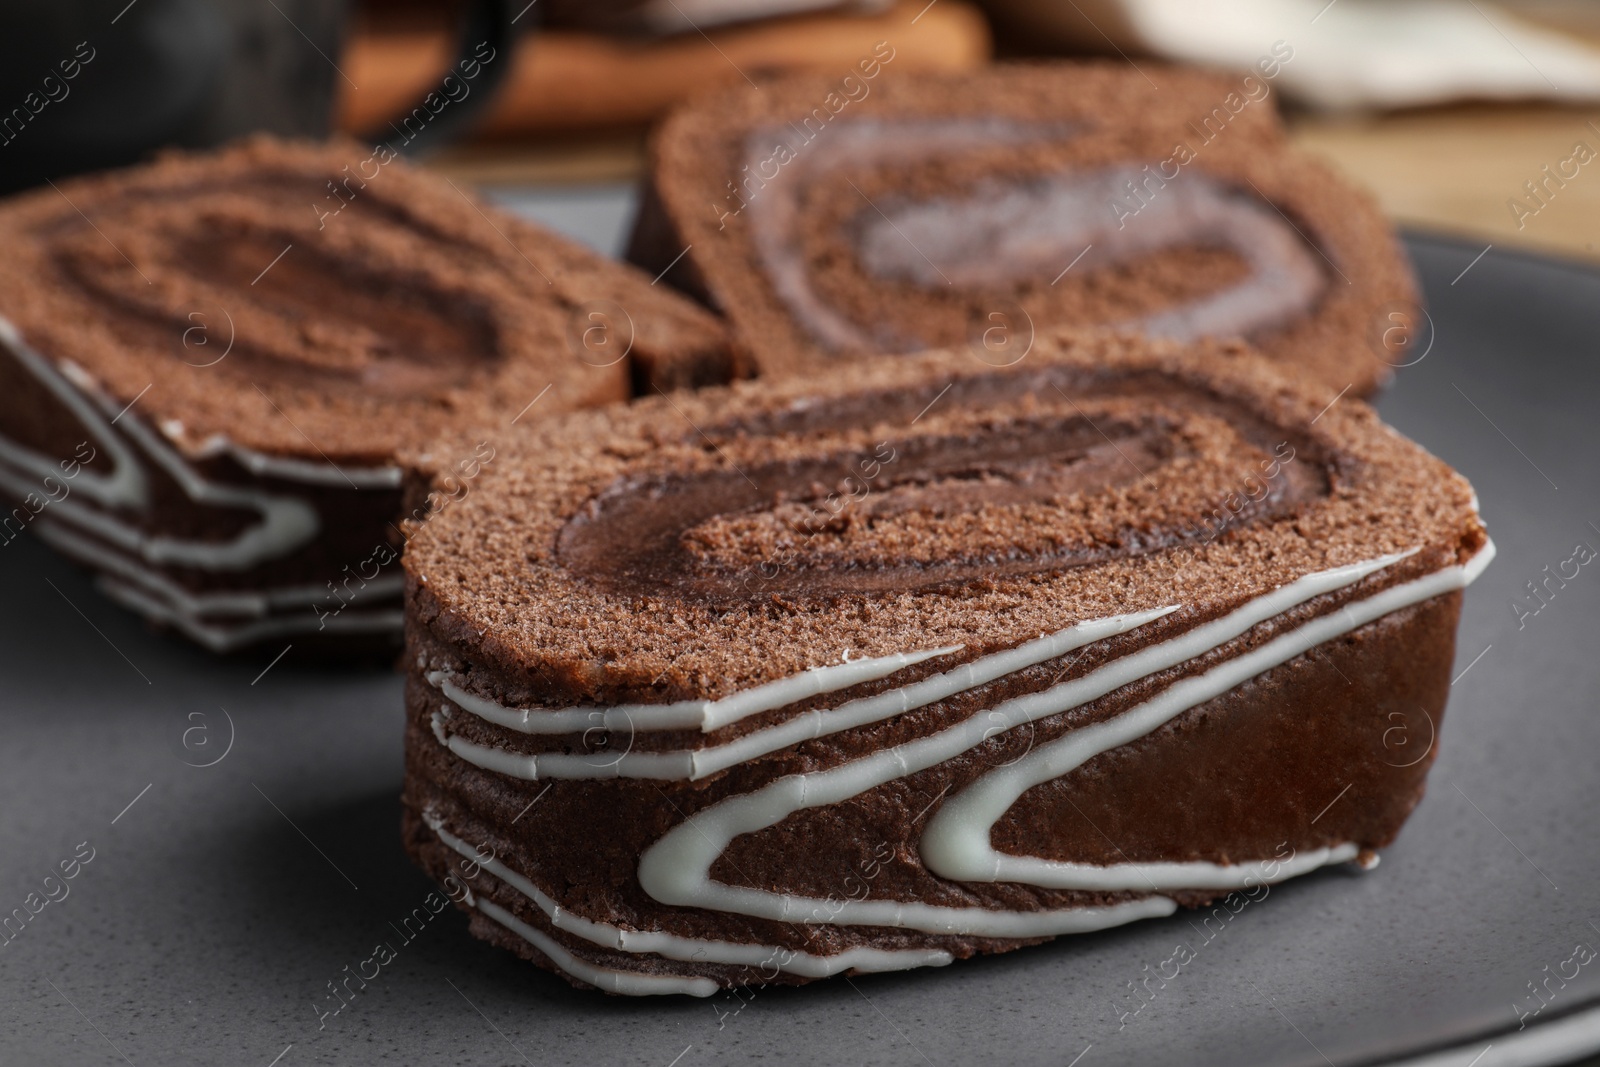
x,y
364,306
233,346
793,679
834,222
695,545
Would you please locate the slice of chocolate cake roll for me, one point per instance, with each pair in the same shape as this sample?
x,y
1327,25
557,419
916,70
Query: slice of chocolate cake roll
x,y
798,679
831,219
208,365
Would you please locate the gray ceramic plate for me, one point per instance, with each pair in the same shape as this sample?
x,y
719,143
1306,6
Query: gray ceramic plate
x,y
221,900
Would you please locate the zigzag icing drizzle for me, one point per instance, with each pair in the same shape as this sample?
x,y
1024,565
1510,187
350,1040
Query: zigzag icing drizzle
x,y
130,559
674,947
698,763
955,844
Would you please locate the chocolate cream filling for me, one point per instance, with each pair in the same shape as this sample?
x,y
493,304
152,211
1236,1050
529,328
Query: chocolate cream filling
x,y
1086,480
1006,233
1002,235
330,316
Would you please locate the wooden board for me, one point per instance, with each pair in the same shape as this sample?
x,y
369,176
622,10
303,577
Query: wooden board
x,y
1458,170
577,105
565,81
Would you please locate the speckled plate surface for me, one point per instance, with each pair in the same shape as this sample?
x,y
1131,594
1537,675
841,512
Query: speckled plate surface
x,y
221,900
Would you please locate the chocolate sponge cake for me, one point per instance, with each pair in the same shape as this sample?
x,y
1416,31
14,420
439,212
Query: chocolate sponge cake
x,y
889,211
787,680
208,365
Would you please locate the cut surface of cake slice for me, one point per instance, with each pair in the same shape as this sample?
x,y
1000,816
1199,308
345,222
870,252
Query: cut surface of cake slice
x,y
793,679
833,222
210,362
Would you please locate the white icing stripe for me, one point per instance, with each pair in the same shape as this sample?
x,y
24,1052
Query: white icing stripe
x,y
125,486
956,842
708,950
289,523
226,637
242,602
703,715
627,983
694,764
286,522
693,949
286,468
300,470
676,869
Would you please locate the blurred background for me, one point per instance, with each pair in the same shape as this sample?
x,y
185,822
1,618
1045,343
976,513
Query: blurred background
x,y
1445,108
1465,117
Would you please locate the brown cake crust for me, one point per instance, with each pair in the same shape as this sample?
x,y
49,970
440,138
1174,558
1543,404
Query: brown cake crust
x,y
413,308
589,642
1218,774
1095,116
237,344
682,550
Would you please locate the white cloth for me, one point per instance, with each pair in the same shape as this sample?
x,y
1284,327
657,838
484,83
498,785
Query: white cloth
x,y
1348,53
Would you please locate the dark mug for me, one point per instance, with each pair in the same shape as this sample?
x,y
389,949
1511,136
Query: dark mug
x,y
88,84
